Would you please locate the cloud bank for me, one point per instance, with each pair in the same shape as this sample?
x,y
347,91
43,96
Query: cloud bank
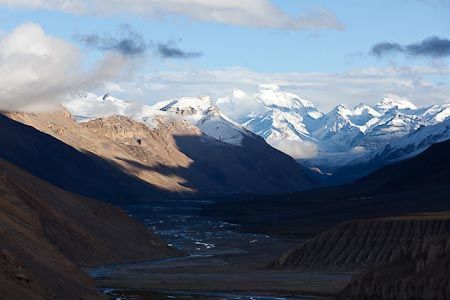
x,y
37,70
434,47
325,90
248,13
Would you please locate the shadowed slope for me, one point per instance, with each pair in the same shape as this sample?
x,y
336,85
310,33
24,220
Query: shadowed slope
x,y
254,167
45,233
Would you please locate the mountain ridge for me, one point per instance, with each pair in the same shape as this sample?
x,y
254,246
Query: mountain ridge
x,y
330,143
174,158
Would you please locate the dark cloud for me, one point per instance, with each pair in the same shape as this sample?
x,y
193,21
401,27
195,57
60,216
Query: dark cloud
x,y
125,41
129,42
381,49
434,47
169,50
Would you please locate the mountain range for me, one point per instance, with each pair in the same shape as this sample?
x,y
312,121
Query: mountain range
x,y
343,144
342,137
163,156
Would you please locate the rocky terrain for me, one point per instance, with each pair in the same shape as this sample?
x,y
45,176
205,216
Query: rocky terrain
x,y
46,234
174,157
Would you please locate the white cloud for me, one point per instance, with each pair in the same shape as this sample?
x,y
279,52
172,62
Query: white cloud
x,y
74,6
325,90
239,105
248,13
113,87
296,149
37,70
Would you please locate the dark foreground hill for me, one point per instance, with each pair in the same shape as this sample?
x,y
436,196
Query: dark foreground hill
x,y
46,234
397,258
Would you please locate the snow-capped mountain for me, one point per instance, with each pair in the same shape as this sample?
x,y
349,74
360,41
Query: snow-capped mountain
x,y
87,106
414,143
193,144
338,137
394,102
200,112
403,148
282,118
327,141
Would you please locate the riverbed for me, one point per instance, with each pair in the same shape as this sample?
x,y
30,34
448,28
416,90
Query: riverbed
x,y
222,262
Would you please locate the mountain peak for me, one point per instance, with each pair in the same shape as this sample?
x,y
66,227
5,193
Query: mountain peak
x,y
185,105
200,112
341,110
273,95
394,101
239,94
88,106
362,108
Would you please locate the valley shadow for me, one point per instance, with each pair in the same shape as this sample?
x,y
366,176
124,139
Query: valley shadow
x,y
414,186
219,168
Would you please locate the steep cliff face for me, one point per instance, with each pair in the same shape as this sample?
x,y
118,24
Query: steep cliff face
x,y
358,245
46,233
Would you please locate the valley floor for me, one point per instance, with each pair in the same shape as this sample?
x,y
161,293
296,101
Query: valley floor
x,y
220,259
216,274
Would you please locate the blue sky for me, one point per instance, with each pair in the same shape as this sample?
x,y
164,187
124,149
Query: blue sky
x,y
264,51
